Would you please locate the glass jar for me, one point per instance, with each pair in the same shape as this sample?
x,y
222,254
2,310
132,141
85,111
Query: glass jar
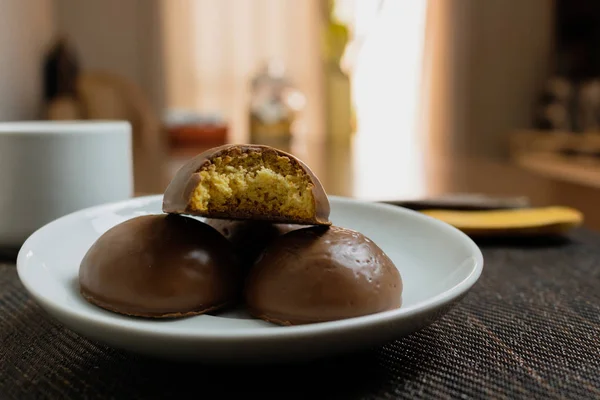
x,y
274,107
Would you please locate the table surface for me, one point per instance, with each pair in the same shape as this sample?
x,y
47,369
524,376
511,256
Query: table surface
x,y
530,328
357,168
373,169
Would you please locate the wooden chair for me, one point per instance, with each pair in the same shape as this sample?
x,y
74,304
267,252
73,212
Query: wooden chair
x,y
106,96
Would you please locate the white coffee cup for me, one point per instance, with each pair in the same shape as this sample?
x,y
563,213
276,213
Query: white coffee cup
x,y
52,168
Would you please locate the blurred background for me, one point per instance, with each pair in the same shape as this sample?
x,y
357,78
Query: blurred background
x,y
384,99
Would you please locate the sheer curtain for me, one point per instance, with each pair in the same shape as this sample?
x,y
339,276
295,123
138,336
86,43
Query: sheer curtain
x,y
388,79
397,59
213,48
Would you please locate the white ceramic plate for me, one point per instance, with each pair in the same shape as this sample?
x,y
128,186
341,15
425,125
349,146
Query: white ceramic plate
x,y
438,264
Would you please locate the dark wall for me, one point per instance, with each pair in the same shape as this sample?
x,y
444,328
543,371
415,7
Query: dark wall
x,y
577,38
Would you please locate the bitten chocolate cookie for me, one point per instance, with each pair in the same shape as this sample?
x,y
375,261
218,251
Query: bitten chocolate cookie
x,y
248,182
322,274
161,266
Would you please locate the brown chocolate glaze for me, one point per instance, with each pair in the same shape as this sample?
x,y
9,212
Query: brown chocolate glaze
x,y
180,189
250,237
161,266
322,274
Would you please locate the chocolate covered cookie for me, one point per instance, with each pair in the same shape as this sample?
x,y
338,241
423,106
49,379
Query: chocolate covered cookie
x,y
250,182
322,274
161,266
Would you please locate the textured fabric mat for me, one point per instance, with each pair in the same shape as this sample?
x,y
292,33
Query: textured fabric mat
x,y
530,328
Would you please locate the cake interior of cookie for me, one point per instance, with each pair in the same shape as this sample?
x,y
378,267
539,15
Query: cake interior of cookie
x,y
254,183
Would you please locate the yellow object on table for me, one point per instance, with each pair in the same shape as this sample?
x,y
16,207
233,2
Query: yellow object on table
x,y
524,221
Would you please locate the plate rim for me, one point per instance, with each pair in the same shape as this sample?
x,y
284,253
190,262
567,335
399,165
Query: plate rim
x,y
356,323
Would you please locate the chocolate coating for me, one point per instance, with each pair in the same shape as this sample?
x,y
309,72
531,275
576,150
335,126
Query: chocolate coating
x,y
322,274
177,195
250,237
160,266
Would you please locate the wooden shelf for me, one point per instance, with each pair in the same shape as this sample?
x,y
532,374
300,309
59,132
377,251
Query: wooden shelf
x,y
576,170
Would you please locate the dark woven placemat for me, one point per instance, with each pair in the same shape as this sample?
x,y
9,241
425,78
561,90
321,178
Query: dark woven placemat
x,y
529,329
